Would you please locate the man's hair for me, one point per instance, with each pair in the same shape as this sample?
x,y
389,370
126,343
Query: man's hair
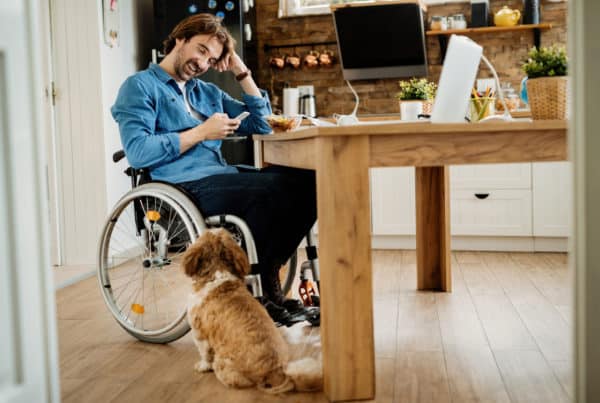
x,y
200,24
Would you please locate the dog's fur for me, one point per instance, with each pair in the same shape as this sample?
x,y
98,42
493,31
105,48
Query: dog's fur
x,y
233,332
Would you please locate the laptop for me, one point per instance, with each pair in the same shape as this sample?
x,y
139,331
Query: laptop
x,y
456,81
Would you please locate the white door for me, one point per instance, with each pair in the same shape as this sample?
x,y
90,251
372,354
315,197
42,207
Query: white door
x,y
28,351
78,146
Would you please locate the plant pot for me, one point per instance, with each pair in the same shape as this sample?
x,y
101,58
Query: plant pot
x,y
547,97
410,110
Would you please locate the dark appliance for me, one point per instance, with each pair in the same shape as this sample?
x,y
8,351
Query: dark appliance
x,y
239,16
480,11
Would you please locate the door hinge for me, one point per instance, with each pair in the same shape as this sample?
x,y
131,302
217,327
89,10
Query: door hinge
x,y
51,93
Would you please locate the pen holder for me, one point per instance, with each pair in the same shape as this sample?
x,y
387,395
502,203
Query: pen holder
x,y
480,108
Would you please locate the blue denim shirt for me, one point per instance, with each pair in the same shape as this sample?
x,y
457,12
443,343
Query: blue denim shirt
x,y
151,113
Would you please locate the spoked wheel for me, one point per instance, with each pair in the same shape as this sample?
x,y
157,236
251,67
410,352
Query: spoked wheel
x,y
139,268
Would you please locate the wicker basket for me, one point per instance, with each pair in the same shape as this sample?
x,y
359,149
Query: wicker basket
x,y
428,106
547,97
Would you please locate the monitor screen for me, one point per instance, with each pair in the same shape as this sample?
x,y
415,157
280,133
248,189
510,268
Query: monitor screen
x,y
381,40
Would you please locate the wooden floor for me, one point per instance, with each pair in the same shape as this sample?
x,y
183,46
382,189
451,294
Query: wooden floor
x,y
502,335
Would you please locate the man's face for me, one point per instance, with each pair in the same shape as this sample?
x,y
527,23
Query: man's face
x,y
195,56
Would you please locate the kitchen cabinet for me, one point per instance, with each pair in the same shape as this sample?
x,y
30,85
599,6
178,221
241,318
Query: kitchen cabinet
x,y
552,191
498,205
393,201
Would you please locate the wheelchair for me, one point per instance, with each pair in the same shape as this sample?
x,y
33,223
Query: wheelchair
x,y
140,252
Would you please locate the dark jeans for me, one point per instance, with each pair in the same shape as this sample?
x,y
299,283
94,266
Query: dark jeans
x,y
277,203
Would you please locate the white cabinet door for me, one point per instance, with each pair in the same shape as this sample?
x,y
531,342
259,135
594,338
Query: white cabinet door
x,y
552,192
491,213
393,201
491,176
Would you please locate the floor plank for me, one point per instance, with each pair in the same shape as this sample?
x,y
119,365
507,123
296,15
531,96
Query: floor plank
x,y
528,377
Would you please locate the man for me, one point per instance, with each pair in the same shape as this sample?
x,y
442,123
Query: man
x,y
172,123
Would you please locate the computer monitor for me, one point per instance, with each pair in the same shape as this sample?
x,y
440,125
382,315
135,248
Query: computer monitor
x,y
381,40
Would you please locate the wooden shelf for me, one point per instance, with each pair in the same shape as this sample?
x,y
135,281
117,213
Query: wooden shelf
x,y
443,35
483,30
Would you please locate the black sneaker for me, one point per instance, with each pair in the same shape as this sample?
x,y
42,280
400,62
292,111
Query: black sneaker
x,y
293,305
279,314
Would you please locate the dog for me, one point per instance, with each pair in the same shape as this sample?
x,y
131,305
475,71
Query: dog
x,y
234,334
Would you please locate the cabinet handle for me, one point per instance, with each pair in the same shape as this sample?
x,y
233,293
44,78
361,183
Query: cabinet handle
x,y
482,196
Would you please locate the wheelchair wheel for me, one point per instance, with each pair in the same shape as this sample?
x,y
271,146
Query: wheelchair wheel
x,y
139,265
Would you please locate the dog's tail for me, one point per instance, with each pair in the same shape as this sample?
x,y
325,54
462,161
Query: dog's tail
x,y
303,375
306,373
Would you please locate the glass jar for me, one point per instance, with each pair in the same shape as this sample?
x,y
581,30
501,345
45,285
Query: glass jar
x,y
458,21
438,23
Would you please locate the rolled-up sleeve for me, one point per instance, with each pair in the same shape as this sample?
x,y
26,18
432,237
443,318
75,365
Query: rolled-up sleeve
x,y
135,111
259,108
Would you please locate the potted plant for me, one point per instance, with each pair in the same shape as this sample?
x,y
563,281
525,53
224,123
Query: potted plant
x,y
546,70
416,97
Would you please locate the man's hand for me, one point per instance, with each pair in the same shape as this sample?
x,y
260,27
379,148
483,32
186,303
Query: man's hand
x,y
216,127
232,62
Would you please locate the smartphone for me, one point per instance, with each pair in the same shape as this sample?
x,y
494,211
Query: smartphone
x,y
242,115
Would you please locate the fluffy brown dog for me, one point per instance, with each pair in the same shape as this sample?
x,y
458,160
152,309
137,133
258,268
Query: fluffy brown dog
x,y
233,332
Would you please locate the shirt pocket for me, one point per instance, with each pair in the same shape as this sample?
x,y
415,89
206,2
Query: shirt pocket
x,y
172,116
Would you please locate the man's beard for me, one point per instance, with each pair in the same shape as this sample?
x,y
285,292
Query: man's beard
x,y
186,70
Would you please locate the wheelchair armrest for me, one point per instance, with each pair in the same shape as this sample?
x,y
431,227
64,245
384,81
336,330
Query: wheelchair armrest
x,y
118,156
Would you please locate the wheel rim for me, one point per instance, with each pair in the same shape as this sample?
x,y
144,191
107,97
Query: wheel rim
x,y
140,273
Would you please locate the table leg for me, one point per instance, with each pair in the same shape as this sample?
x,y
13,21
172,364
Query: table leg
x,y
433,228
345,260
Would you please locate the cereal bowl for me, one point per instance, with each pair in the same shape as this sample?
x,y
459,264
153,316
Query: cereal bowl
x,y
281,123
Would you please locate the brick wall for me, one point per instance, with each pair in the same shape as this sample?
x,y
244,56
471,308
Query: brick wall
x,y
505,50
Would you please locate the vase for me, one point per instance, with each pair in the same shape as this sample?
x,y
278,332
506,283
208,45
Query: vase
x,y
410,109
547,97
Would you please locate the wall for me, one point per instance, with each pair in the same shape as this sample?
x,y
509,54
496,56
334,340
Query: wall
x,y
505,51
132,54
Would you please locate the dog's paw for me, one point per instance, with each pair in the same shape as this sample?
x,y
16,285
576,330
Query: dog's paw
x,y
203,366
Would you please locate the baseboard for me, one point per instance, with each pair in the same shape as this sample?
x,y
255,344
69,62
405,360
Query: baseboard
x,y
483,243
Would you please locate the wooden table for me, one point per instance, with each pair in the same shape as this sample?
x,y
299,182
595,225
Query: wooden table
x,y
341,157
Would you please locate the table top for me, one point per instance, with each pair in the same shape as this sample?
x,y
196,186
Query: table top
x,y
410,128
426,144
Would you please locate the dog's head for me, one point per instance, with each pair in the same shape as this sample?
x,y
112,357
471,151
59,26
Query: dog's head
x,y
215,250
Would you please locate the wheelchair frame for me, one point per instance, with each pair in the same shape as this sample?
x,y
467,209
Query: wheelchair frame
x,y
156,247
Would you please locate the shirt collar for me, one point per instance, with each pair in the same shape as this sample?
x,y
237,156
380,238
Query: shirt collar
x,y
163,76
160,73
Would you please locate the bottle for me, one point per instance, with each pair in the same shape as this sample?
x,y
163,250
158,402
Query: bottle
x,y
531,11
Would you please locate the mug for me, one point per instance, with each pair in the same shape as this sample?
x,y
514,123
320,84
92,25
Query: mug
x,y
277,62
311,60
326,58
293,61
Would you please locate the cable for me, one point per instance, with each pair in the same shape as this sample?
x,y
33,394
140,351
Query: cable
x,y
355,98
506,115
344,120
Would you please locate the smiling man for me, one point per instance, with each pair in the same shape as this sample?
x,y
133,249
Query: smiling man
x,y
172,123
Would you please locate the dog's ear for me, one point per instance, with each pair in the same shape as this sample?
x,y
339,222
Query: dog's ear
x,y
200,253
234,255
